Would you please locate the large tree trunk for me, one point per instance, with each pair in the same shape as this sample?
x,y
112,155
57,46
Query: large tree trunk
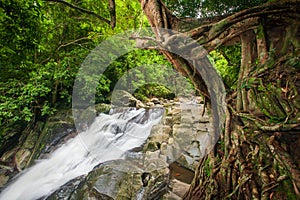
x,y
258,157
249,55
258,153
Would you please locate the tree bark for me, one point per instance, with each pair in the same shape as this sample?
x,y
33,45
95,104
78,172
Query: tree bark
x,y
160,17
249,55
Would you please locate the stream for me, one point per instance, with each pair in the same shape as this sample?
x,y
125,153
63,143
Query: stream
x,y
108,138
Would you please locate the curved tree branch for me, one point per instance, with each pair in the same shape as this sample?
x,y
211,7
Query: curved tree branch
x,y
111,22
161,18
214,34
208,33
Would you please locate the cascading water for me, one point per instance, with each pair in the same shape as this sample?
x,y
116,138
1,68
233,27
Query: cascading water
x,y
108,138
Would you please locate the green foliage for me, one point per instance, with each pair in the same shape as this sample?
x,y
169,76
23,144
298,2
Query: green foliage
x,y
221,7
103,89
20,99
42,46
285,189
184,8
153,90
206,8
20,24
207,167
39,59
294,62
227,62
139,68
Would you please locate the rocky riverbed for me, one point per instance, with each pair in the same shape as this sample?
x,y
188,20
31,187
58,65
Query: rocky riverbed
x,y
165,170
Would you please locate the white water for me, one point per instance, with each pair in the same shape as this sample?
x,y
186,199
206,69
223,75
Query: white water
x,y
108,138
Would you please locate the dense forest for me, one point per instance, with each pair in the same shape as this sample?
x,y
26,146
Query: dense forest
x,y
254,46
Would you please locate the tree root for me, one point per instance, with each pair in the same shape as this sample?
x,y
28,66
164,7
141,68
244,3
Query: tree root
x,y
267,127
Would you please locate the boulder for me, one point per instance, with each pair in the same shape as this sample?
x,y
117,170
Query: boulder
x,y
3,179
114,180
123,98
155,100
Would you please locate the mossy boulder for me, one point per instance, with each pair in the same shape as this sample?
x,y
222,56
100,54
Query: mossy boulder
x,y
149,91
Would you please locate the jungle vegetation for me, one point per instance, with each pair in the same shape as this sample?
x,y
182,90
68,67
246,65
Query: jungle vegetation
x,y
254,45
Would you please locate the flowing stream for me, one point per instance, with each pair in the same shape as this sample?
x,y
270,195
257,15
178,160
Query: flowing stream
x,y
108,138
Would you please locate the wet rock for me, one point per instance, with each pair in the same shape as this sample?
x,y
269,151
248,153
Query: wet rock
x,y
9,137
102,108
150,104
58,129
201,127
146,176
152,146
8,156
187,119
176,110
176,119
86,116
179,188
21,155
3,180
183,131
118,180
21,158
172,196
194,149
155,101
67,190
123,98
160,133
199,100
167,103
167,120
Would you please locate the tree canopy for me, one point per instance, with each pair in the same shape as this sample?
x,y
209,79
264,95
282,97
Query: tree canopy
x,y
207,8
43,44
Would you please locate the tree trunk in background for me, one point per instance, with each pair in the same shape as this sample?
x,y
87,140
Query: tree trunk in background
x,y
258,154
249,55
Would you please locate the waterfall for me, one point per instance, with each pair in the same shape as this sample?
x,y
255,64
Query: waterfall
x,y
108,138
